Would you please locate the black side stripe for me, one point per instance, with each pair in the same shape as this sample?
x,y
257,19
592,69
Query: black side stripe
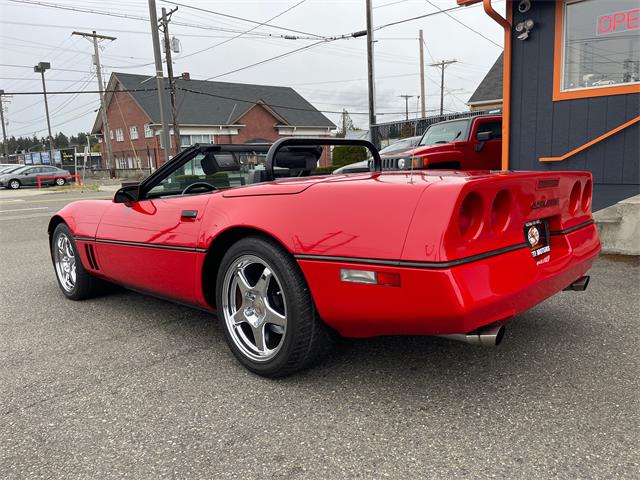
x,y
573,229
142,244
412,264
445,264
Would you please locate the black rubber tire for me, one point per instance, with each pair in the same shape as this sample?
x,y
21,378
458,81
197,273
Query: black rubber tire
x,y
59,182
308,338
87,286
12,182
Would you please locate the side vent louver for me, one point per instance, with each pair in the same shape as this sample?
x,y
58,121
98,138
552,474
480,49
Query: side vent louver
x,y
88,248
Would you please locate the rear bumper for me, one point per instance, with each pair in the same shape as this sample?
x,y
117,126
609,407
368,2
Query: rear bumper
x,y
458,299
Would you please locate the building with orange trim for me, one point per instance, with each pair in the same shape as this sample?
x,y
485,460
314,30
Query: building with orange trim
x,y
571,90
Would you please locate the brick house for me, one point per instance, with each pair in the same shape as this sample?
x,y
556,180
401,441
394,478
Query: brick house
x,y
208,112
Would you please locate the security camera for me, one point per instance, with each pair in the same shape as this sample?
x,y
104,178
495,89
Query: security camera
x,y
524,28
524,6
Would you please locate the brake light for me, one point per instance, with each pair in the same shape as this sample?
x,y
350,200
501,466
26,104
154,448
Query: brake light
x,y
470,219
501,211
574,198
586,196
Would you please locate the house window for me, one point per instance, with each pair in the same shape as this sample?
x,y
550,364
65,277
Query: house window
x,y
119,135
111,134
133,132
188,140
148,133
597,48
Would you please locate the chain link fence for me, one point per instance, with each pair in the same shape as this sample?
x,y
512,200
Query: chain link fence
x,y
386,133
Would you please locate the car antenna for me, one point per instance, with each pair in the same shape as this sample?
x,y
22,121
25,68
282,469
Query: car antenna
x,y
415,133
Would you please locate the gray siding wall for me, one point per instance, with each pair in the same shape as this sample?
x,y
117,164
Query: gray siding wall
x,y
540,127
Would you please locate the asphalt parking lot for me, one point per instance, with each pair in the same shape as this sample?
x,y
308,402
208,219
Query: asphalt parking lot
x,y
132,386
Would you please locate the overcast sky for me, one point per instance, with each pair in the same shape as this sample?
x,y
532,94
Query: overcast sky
x,y
331,75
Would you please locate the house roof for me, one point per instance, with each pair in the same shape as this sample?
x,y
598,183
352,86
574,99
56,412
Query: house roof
x,y
219,103
490,88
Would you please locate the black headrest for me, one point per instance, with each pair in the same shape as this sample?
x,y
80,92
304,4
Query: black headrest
x,y
208,163
298,158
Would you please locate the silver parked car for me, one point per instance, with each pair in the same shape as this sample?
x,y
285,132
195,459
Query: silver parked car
x,y
28,176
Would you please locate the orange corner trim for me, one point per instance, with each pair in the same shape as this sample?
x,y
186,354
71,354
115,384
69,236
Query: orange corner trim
x,y
558,94
592,142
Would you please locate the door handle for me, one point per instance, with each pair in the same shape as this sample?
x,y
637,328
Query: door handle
x,y
189,214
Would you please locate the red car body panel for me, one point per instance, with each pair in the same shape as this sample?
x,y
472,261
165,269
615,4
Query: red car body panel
x,y
395,222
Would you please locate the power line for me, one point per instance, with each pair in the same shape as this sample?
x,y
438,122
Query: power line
x,y
225,15
144,19
463,24
242,33
190,90
267,60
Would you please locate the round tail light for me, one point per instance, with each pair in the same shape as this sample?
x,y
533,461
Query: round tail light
x,y
586,196
574,198
470,221
501,211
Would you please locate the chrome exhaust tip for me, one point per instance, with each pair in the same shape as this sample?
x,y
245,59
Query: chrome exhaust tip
x,y
579,285
490,336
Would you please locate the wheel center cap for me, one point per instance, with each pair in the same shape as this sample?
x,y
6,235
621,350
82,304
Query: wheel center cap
x,y
255,310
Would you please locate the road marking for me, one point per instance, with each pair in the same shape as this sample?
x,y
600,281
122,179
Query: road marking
x,y
58,200
24,209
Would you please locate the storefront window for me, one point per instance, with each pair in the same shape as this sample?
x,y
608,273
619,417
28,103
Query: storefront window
x,y
601,44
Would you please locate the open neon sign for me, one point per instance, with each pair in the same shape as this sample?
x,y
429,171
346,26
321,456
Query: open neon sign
x,y
619,22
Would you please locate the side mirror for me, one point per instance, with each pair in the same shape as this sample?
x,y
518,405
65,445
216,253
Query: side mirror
x,y
127,194
483,136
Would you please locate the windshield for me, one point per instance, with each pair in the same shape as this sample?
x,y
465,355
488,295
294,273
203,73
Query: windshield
x,y
14,169
398,146
445,132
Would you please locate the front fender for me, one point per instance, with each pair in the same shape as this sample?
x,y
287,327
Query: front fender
x,y
82,217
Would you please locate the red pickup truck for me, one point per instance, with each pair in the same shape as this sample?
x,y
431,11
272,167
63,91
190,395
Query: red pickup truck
x,y
463,144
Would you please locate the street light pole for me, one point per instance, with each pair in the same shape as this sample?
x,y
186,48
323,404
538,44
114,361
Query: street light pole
x,y
41,68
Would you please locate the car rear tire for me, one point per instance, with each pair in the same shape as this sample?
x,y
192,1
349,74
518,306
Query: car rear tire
x,y
266,311
74,281
14,184
60,182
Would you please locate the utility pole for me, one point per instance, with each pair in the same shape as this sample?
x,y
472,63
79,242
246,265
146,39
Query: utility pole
x,y
41,68
373,133
157,54
166,18
106,131
423,104
5,144
406,105
442,65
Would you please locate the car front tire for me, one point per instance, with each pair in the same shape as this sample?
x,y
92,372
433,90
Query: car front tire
x,y
60,182
74,281
14,184
266,310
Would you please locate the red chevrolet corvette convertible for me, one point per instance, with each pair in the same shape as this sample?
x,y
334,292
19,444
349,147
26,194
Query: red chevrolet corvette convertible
x,y
289,260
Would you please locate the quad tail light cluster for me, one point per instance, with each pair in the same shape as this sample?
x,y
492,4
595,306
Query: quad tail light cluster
x,y
471,217
580,198
370,277
471,220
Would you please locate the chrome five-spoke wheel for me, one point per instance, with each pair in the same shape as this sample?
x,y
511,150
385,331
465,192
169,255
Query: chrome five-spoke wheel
x,y
254,308
65,262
